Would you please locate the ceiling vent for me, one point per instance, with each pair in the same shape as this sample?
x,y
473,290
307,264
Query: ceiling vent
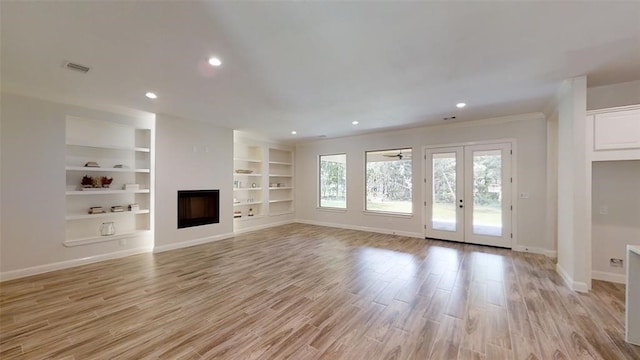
x,y
77,67
449,118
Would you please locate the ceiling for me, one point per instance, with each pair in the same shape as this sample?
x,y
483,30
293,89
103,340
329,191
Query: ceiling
x,y
315,67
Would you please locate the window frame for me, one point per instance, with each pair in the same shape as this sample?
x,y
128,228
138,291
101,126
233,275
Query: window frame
x,y
319,179
366,178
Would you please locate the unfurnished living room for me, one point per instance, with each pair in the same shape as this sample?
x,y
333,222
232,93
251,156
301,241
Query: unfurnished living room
x,y
319,180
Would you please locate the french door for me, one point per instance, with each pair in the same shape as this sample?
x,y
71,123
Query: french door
x,y
468,197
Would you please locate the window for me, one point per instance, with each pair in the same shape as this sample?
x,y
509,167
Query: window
x,y
389,181
333,181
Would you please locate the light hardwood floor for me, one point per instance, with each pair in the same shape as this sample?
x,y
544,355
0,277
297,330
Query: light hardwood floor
x,y
309,292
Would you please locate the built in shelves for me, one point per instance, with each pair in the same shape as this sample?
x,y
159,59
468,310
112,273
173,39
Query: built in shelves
x,y
108,144
270,166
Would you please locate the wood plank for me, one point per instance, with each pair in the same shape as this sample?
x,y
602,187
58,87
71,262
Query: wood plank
x,y
309,292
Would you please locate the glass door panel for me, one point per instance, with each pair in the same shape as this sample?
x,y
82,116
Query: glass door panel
x,y
487,192
444,192
487,215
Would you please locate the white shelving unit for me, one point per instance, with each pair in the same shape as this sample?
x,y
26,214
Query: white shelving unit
x,y
248,196
109,144
281,184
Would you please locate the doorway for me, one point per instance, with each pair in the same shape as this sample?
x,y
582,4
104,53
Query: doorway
x,y
468,194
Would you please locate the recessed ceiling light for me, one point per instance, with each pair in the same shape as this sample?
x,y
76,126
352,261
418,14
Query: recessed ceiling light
x,y
460,105
294,132
355,122
214,61
151,95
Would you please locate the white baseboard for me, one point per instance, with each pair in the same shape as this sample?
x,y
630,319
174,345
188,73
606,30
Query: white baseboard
x,y
262,227
535,250
35,270
363,228
189,243
573,285
607,276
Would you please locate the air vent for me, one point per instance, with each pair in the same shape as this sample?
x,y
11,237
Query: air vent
x,y
77,67
449,118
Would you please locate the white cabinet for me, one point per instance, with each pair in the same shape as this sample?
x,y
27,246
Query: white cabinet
x,y
280,181
121,156
617,130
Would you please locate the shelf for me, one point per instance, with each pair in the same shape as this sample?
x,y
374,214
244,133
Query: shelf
x,y
247,160
99,239
252,189
279,175
104,215
252,174
280,163
281,213
106,192
281,188
102,169
282,200
248,203
245,217
110,147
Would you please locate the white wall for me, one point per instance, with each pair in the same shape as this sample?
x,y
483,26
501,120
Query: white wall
x,y
33,187
191,155
621,94
529,131
573,252
615,215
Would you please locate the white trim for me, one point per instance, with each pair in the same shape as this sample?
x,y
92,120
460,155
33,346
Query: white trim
x,y
189,243
332,209
40,269
454,125
512,141
363,228
388,214
535,250
613,109
573,285
262,227
607,276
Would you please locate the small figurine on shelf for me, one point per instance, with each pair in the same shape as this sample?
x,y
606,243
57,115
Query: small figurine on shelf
x,y
106,181
250,212
87,181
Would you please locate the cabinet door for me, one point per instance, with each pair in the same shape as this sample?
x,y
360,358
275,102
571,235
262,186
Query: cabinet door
x,y
617,130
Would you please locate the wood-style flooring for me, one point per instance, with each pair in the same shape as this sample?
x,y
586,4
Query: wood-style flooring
x,y
309,292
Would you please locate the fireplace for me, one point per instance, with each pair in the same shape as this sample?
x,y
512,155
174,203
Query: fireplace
x,y
198,207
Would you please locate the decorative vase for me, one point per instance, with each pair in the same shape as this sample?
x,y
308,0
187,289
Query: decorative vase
x,y
107,228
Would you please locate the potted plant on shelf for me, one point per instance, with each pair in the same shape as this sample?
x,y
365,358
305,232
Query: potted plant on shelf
x,y
87,182
106,181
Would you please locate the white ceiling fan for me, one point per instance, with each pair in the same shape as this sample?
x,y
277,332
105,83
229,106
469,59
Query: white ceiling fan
x,y
399,155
